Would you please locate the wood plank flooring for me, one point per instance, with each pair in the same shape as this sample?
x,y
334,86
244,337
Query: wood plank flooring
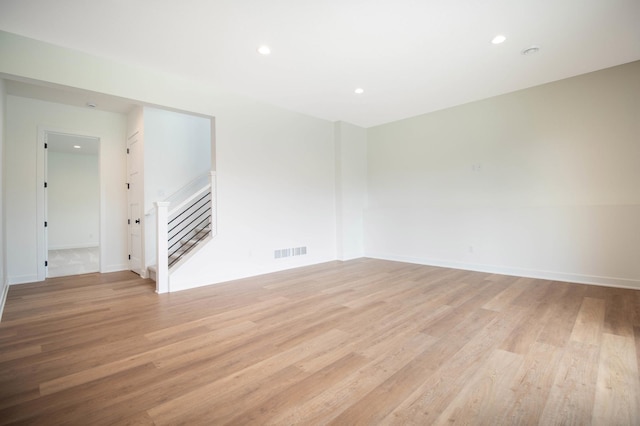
x,y
359,342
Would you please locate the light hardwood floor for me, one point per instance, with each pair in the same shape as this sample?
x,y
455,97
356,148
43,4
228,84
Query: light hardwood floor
x,y
359,342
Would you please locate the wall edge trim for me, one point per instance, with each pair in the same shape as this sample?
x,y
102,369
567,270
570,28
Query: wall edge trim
x,y
3,298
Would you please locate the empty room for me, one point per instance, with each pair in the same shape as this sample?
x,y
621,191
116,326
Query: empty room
x,y
329,212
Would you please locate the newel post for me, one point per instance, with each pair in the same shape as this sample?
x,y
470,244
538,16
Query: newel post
x,y
162,242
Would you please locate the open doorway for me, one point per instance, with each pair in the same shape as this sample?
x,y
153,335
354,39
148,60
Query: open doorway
x,y
72,199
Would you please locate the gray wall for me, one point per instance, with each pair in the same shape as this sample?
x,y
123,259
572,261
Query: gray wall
x,y
543,182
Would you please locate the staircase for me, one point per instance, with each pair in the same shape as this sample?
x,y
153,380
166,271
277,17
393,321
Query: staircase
x,y
185,222
189,243
189,223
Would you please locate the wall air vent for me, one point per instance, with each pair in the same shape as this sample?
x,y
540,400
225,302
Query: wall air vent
x,y
288,252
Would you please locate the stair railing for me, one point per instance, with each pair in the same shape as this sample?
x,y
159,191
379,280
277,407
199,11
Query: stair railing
x,y
189,225
182,228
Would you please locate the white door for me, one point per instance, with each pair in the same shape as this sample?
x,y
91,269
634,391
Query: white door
x,y
135,202
46,204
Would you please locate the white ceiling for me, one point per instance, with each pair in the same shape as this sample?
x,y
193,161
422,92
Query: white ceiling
x,y
410,56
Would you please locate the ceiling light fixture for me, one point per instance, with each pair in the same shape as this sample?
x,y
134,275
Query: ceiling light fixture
x,y
531,50
498,39
264,50
77,146
91,104
359,91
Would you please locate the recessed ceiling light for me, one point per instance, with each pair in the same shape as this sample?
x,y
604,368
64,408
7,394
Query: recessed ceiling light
x,y
264,50
359,91
77,146
498,39
531,50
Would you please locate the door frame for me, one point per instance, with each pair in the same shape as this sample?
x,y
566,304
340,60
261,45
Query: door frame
x,y
41,197
138,137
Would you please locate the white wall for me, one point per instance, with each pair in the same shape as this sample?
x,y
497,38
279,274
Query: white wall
x,y
4,283
73,191
542,182
351,189
275,168
275,189
177,150
23,116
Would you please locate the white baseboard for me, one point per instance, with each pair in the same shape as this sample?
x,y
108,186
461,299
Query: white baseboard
x,y
520,272
114,268
3,297
350,256
195,281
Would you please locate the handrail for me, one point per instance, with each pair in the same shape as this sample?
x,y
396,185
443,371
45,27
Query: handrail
x,y
188,200
180,194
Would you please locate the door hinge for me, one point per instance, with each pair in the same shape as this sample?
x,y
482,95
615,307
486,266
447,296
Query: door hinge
x,y
127,185
128,221
129,257
45,223
46,263
45,184
45,146
127,150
